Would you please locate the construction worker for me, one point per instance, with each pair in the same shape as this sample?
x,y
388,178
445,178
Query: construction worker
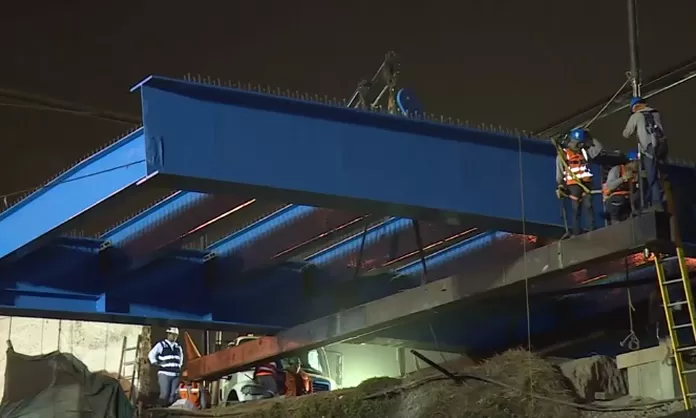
x,y
573,175
297,382
619,188
267,375
646,124
168,356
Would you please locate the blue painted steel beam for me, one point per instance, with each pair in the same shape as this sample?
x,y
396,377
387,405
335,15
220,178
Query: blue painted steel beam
x,y
351,244
166,222
51,304
375,162
263,227
452,253
100,177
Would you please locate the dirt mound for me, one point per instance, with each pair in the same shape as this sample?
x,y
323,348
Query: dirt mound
x,y
519,370
431,396
596,374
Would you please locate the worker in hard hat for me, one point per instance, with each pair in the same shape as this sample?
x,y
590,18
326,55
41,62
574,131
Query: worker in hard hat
x,y
573,175
168,356
267,375
646,124
619,190
297,382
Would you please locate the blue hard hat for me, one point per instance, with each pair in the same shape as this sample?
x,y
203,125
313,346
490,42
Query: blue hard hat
x,y
636,100
632,155
579,134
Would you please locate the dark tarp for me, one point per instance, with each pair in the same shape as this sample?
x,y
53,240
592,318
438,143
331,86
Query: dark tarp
x,y
58,385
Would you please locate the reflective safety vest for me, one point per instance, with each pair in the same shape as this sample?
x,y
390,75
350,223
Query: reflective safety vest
x,y
169,358
623,190
192,392
267,369
295,388
578,167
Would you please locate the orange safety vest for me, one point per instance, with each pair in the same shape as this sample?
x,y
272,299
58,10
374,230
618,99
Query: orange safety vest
x,y
578,166
192,392
291,383
268,369
623,190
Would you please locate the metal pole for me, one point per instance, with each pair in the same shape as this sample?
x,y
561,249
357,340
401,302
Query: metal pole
x,y
633,46
632,8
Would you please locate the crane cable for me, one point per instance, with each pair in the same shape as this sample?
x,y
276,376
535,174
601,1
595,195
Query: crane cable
x,y
559,150
631,341
610,101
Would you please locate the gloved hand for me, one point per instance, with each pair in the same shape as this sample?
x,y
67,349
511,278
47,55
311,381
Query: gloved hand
x,y
628,175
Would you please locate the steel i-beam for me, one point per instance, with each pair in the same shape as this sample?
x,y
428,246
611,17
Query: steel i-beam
x,y
48,211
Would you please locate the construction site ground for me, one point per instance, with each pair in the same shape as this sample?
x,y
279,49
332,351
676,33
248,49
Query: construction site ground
x,y
513,384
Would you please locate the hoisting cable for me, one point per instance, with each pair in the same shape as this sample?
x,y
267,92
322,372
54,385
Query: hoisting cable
x,y
361,251
631,341
526,274
610,101
559,150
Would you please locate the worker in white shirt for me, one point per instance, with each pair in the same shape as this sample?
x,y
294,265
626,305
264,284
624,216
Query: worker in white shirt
x,y
168,356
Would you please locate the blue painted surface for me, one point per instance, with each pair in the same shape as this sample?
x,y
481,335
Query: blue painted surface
x,y
74,192
353,243
377,162
350,148
265,226
452,252
409,104
151,216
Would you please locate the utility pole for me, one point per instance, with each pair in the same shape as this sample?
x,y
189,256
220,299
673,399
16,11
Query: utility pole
x,y
633,46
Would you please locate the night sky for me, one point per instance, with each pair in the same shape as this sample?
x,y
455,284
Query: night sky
x,y
522,65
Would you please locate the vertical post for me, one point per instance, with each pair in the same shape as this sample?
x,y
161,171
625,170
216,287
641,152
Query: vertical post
x,y
206,342
633,46
632,9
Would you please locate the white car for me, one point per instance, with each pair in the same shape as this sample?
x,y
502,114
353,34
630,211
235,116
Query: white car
x,y
240,386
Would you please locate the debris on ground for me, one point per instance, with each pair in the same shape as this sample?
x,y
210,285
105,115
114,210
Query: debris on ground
x,y
595,378
513,384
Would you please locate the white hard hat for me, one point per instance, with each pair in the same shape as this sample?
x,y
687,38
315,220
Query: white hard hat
x,y
173,330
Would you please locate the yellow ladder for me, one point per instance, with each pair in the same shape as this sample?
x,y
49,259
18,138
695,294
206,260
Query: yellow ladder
x,y
678,333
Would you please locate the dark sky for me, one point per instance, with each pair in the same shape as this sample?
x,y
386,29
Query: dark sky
x,y
521,64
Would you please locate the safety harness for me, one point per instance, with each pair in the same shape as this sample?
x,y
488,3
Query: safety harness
x,y
564,161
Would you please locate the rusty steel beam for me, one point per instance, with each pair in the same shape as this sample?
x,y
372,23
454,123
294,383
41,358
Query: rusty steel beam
x,y
549,262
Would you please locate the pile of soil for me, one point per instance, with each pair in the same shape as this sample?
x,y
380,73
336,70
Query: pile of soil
x,y
513,384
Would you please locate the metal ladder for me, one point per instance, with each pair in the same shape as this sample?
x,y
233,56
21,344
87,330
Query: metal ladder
x,y
134,374
682,335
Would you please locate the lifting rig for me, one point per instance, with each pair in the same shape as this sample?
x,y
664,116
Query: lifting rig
x,y
369,95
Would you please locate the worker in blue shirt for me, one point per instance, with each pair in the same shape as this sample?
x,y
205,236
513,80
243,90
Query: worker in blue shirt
x,y
168,356
646,123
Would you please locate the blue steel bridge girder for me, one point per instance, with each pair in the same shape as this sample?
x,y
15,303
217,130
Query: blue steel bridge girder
x,y
49,211
370,162
167,222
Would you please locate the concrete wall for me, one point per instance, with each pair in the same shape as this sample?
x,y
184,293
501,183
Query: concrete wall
x,y
363,361
96,344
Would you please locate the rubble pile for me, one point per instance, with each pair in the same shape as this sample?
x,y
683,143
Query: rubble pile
x,y
513,384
